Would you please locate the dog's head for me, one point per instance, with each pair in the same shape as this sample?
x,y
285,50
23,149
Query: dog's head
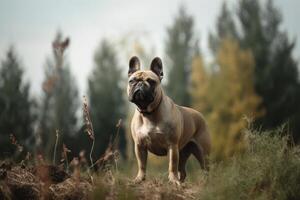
x,y
144,88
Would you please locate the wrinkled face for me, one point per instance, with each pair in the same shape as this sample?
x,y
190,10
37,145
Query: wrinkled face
x,y
142,88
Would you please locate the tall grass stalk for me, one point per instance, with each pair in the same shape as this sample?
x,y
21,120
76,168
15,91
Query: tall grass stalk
x,y
91,153
55,147
115,143
65,156
89,127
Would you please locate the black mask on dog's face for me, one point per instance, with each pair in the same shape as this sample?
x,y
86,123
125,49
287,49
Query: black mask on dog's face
x,y
142,93
142,84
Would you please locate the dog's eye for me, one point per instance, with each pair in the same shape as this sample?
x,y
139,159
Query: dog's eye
x,y
151,82
131,81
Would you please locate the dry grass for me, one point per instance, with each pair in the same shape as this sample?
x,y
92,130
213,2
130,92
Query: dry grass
x,y
119,186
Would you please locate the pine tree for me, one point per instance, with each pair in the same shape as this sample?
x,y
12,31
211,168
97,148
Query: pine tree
x,y
225,28
16,114
276,71
106,98
59,101
276,74
179,52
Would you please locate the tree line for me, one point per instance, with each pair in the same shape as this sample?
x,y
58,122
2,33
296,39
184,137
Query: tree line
x,y
252,75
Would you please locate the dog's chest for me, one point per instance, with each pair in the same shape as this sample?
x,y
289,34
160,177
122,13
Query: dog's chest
x,y
155,137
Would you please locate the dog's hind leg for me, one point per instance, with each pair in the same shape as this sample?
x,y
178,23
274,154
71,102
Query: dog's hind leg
x,y
197,151
184,154
201,148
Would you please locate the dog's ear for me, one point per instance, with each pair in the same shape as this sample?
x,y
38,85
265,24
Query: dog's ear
x,y
134,65
157,67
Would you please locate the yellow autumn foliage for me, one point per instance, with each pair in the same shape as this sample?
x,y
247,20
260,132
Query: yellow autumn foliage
x,y
225,95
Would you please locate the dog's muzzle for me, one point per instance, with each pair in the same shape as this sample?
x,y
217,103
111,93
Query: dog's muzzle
x,y
142,96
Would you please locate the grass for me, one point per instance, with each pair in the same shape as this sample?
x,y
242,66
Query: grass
x,y
269,168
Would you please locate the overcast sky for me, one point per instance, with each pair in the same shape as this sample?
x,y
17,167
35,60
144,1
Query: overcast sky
x,y
30,25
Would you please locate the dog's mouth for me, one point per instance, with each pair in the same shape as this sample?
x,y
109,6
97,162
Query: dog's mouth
x,y
142,98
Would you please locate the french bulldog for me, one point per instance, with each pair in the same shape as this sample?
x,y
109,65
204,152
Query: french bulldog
x,y
162,127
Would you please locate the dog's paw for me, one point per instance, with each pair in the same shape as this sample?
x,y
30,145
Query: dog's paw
x,y
174,180
139,179
182,176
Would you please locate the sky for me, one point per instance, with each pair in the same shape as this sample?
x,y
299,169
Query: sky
x,y
30,26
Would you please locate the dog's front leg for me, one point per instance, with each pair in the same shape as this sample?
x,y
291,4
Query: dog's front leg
x,y
141,154
173,164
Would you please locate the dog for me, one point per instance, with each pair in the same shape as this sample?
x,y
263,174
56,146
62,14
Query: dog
x,y
162,127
